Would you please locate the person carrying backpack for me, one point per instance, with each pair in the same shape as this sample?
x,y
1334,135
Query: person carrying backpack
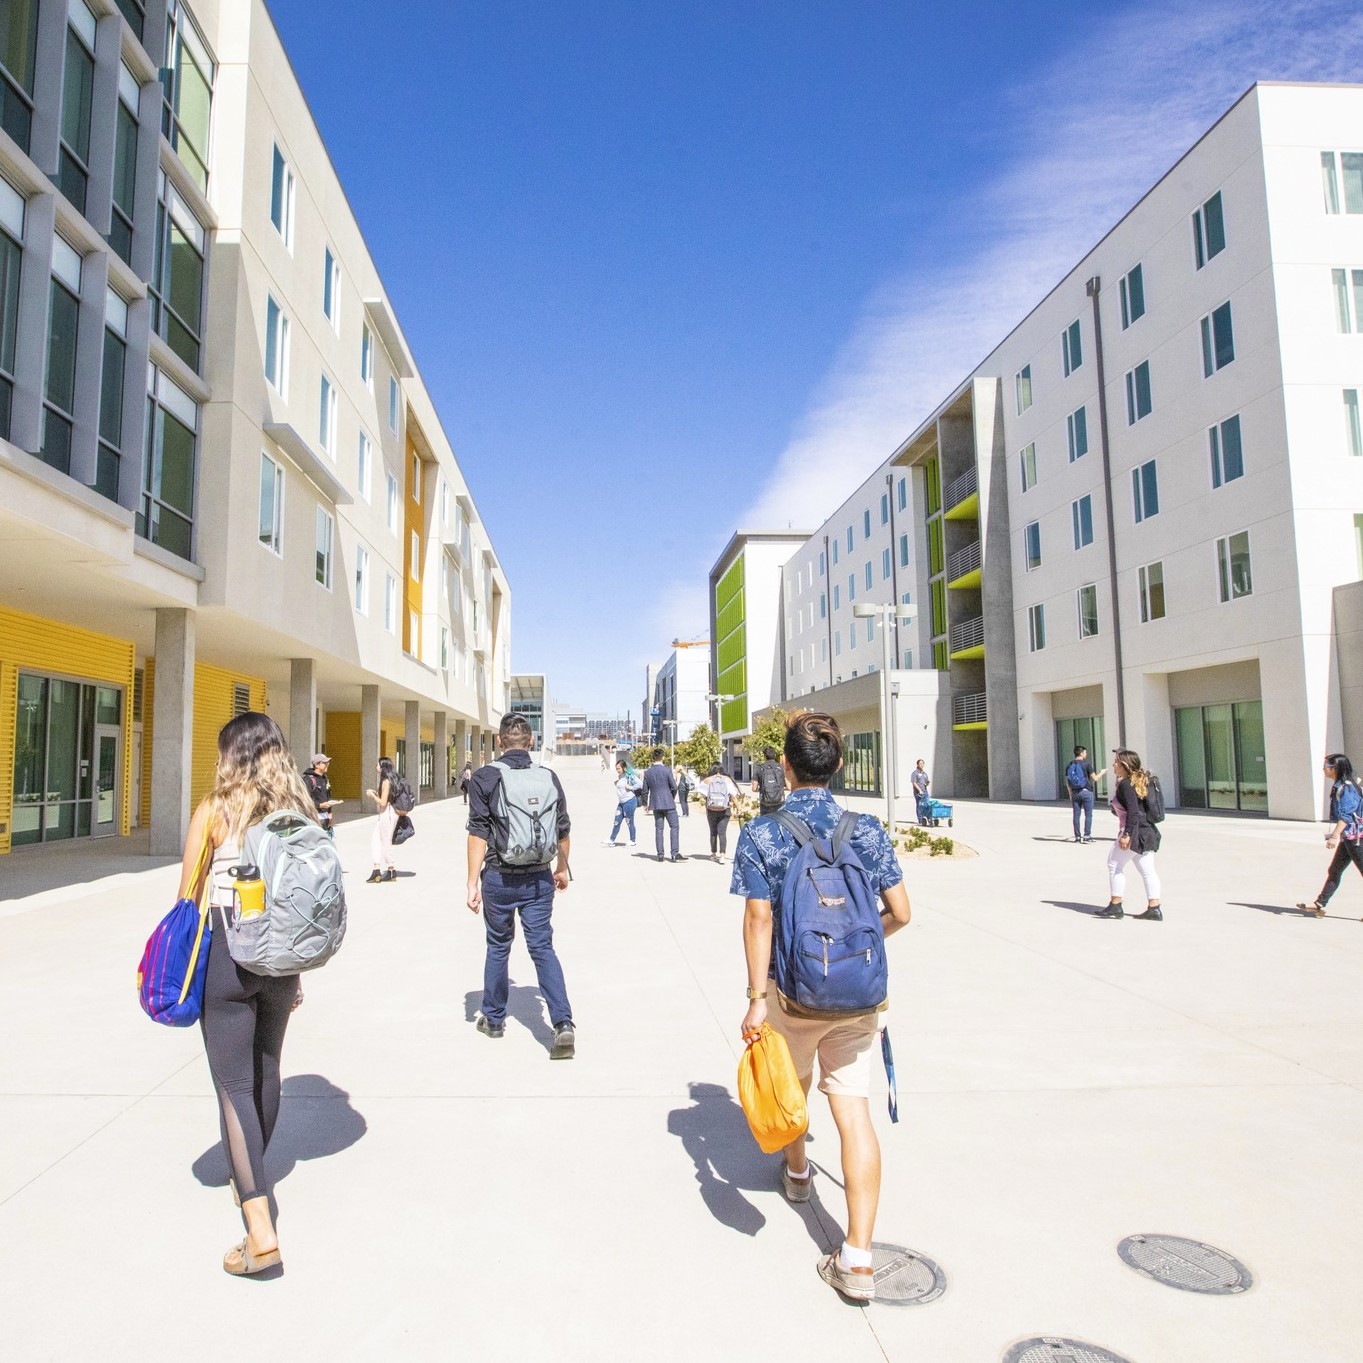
x,y
393,797
1345,837
1081,781
720,793
1138,804
823,890
518,830
769,782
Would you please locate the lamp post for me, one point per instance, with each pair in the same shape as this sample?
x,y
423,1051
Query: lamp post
x,y
886,613
718,700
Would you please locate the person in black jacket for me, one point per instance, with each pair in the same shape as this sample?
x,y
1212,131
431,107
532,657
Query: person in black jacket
x,y
1138,839
315,778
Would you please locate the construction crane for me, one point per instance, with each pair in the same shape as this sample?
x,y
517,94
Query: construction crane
x,y
691,643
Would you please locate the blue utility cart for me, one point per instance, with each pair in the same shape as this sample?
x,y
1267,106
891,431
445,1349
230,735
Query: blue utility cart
x,y
937,810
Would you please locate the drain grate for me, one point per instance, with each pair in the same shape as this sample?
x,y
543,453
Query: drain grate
x,y
1186,1264
1049,1349
904,1277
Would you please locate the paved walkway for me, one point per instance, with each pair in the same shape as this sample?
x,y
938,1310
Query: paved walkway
x,y
1064,1083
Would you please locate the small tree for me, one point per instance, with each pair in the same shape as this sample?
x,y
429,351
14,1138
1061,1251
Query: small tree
x,y
700,752
770,733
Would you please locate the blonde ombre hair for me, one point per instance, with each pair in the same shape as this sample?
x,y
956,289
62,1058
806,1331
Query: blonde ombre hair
x,y
256,776
1136,774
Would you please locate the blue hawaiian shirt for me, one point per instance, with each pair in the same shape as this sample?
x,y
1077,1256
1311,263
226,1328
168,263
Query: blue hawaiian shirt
x,y
765,849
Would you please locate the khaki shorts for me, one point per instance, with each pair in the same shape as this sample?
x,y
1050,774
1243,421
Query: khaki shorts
x,y
844,1048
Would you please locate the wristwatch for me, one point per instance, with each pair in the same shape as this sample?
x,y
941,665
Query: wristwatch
x,y
753,994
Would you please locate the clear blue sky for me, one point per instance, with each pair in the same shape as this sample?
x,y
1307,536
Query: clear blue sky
x,y
666,265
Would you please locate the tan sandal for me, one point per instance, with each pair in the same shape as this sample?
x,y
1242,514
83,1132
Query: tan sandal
x,y
245,1263
1316,910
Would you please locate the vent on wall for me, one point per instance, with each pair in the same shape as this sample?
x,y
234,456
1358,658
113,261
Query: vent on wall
x,y
139,678
241,698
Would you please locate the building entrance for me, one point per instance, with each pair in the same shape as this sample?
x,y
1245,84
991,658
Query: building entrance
x,y
1221,762
67,761
1070,734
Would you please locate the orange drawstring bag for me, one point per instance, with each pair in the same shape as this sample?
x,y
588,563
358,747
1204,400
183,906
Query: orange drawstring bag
x,y
770,1092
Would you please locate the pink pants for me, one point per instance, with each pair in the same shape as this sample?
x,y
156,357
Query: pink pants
x,y
381,844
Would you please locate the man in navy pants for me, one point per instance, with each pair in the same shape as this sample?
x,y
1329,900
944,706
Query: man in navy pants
x,y
660,791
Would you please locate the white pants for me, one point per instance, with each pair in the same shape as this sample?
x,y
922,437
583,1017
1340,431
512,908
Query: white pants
x,y
1117,861
381,843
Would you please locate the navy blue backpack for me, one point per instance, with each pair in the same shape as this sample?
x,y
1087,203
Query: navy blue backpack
x,y
828,947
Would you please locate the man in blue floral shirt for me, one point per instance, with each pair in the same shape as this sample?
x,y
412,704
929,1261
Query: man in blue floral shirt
x,y
813,755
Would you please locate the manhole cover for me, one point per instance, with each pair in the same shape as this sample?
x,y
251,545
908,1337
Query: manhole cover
x,y
1052,1350
1186,1264
904,1277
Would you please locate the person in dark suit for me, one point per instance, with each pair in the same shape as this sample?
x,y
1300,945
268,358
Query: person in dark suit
x,y
660,792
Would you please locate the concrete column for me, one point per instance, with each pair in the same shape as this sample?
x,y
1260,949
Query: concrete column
x,y
30,359
302,710
475,746
442,755
413,736
461,743
172,730
369,737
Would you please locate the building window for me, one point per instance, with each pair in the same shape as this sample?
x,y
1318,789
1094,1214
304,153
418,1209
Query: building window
x,y
187,82
444,501
1144,491
1077,432
367,357
1358,538
18,50
78,90
867,575
866,524
282,194
11,259
166,517
59,387
1150,581
1232,564
1209,231
1348,286
835,552
851,586
326,426
415,569
361,579
125,165
1081,512
1036,629
416,479
271,505
331,290
276,347
1350,163
1218,338
837,644
1028,461
1031,545
112,388
326,531
1086,599
1022,384
852,635
885,557
1228,462
1138,393
837,596
444,648
904,551
177,280
1132,290
1071,348
870,631
1353,431
392,404
392,505
849,539
365,470
823,567
390,603
823,606
884,508
902,488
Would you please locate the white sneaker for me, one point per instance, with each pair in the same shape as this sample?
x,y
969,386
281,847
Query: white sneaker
x,y
609,842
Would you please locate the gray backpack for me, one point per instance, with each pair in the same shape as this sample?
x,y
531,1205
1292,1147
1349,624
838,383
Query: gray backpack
x,y
528,810
304,920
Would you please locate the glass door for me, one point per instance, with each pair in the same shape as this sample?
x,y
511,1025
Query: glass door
x,y
1251,759
1219,729
107,744
1222,762
1072,733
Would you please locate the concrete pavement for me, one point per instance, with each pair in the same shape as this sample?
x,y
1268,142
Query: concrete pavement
x,y
1064,1083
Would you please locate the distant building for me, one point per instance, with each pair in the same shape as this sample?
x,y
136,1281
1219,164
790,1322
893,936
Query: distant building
x,y
530,696
680,692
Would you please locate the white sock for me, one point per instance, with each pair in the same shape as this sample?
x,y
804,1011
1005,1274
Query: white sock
x,y
809,1169
852,1257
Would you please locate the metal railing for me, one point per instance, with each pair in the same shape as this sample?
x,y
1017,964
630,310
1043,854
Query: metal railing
x,y
963,561
960,488
969,709
968,634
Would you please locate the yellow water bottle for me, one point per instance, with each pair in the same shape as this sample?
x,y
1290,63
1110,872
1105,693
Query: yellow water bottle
x,y
250,890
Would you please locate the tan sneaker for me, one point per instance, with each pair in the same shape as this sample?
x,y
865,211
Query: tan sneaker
x,y
796,1189
856,1284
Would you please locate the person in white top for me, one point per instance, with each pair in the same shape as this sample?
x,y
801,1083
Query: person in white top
x,y
626,804
720,792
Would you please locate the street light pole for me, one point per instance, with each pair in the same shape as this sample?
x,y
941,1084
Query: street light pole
x,y
889,755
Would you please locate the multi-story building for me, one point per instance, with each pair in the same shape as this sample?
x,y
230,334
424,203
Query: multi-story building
x,y
223,484
530,696
682,689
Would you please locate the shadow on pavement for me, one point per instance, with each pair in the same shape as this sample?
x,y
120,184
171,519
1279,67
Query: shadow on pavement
x,y
315,1120
1088,910
523,1003
1291,910
714,1133
80,861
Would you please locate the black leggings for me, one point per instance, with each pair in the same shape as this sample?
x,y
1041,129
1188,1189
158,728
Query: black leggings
x,y
1345,853
719,830
244,1018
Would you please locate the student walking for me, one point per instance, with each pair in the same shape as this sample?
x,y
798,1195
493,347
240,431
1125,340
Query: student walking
x,y
626,803
1138,839
720,792
920,780
660,794
465,776
518,828
684,789
381,841
769,782
244,1014
1082,783
842,1042
1345,837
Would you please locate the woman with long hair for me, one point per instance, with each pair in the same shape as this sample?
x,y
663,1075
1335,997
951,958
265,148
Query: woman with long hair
x,y
244,1014
1138,839
626,802
381,843
720,792
1345,837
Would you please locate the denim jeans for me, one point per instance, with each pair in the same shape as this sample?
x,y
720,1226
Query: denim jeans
x,y
671,816
1082,800
625,811
531,894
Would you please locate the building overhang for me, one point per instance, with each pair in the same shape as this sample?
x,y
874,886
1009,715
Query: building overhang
x,y
382,320
316,468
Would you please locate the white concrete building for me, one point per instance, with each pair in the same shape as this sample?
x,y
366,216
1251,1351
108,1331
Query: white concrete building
x,y
681,691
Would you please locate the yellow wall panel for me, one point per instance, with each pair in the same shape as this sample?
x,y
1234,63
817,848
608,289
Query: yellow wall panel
x,y
213,707
148,691
343,747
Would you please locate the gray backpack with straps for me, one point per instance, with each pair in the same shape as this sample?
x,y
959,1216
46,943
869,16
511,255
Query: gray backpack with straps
x,y
527,808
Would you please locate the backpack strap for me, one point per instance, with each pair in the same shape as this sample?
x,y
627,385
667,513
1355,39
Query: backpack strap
x,y
843,833
797,828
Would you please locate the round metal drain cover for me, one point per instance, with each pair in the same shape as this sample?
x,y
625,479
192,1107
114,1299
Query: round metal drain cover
x,y
1049,1349
904,1277
1186,1264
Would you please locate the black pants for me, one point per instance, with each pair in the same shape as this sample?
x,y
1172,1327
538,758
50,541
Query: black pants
x,y
671,816
244,1019
1345,853
718,820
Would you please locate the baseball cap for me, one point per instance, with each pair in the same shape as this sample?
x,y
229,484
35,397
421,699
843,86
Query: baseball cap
x,y
319,757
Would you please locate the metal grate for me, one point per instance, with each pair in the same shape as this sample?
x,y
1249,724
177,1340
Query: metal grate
x,y
960,488
963,561
1049,1349
904,1277
971,709
968,634
139,681
241,698
1186,1264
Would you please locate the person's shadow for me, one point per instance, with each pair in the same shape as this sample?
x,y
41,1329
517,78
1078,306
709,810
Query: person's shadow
x,y
715,1134
523,1003
1088,910
315,1120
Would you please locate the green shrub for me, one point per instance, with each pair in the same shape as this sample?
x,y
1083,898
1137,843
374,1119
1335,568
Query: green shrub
x,y
941,847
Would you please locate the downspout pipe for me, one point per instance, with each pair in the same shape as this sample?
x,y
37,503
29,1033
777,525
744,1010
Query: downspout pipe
x,y
828,604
